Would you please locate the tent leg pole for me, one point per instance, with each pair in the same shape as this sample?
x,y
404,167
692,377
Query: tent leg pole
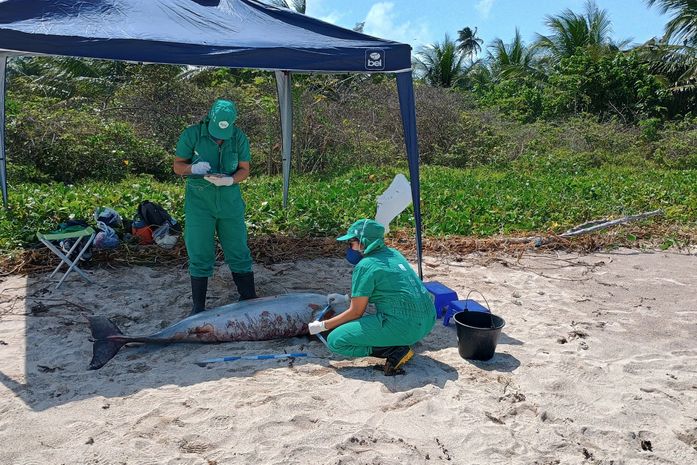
x,y
405,86
3,159
285,104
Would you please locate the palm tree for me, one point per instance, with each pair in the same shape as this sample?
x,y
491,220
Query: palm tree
x,y
676,63
441,64
468,42
480,76
513,59
682,27
675,56
570,31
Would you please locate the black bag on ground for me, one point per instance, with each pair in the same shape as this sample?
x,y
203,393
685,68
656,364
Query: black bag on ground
x,y
153,214
152,223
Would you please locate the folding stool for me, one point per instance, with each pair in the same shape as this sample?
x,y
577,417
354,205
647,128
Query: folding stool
x,y
86,233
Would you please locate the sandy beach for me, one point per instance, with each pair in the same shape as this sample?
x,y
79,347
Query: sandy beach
x,y
597,365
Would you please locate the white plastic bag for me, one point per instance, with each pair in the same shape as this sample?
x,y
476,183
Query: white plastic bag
x,y
106,238
165,236
108,216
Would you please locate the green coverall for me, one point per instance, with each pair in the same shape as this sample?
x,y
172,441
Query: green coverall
x,y
404,314
210,209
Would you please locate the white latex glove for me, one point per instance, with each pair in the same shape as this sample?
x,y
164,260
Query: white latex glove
x,y
220,180
201,167
333,299
316,327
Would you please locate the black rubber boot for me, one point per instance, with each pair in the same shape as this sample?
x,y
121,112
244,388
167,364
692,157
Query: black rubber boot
x,y
245,285
381,352
199,287
396,358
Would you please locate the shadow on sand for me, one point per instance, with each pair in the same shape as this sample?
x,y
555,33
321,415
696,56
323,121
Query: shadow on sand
x,y
57,347
419,372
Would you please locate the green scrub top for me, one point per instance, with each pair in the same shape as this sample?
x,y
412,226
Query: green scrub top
x,y
389,282
197,145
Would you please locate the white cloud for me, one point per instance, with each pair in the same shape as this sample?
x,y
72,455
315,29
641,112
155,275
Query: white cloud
x,y
484,7
318,9
381,22
332,17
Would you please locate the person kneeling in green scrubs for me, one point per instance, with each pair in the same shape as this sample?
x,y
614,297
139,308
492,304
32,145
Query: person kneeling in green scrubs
x,y
214,155
405,313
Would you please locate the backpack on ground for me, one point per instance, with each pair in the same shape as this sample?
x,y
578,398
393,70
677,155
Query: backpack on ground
x,y
150,218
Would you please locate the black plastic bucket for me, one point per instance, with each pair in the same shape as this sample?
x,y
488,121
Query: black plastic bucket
x,y
477,334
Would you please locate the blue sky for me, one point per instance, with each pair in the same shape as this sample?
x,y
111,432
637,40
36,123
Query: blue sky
x,y
423,22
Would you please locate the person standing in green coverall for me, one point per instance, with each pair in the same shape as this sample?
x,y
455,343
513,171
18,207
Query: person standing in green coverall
x,y
405,312
214,155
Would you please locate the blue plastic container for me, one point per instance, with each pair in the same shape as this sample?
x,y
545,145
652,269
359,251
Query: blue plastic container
x,y
442,294
467,305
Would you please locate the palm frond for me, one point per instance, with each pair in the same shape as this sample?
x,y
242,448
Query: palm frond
x,y
514,58
60,76
677,63
682,27
570,31
441,64
468,42
297,5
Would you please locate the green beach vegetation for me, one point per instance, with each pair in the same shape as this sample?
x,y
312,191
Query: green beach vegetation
x,y
514,137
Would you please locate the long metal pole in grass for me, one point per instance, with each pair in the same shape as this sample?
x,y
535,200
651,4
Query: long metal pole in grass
x,y
586,228
3,164
597,225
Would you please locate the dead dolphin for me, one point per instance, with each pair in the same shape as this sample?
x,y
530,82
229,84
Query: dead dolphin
x,y
260,319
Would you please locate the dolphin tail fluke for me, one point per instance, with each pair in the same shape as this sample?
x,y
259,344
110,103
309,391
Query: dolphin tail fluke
x,y
105,344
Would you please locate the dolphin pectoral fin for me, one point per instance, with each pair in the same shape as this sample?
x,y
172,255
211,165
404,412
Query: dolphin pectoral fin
x,y
105,346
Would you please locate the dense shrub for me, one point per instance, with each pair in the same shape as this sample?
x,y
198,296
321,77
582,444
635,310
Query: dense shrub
x,y
676,145
611,85
159,104
439,120
605,85
518,98
485,137
70,145
344,121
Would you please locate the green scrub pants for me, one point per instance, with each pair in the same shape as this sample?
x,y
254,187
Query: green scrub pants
x,y
210,210
357,338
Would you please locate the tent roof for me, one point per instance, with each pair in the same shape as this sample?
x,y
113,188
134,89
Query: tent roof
x,y
227,33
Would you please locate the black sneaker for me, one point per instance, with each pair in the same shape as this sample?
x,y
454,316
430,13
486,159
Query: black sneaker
x,y
396,359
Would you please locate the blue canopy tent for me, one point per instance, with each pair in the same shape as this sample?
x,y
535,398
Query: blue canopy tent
x,y
224,33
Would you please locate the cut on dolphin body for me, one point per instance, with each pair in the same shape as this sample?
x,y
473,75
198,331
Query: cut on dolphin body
x,y
261,319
